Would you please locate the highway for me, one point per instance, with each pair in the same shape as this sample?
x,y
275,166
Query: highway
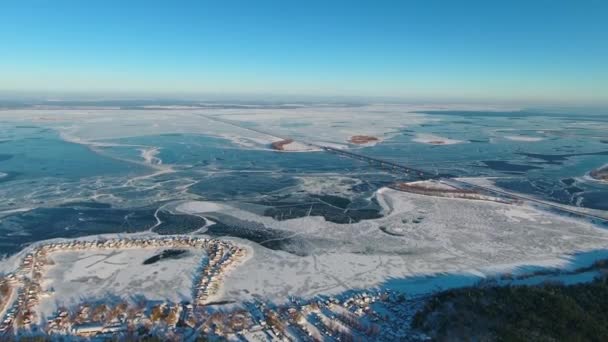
x,y
603,217
424,175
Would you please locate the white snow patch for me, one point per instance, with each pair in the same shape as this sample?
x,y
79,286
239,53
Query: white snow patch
x,y
295,146
523,138
95,274
432,139
150,155
198,207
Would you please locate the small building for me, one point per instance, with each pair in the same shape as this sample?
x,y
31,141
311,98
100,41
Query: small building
x,y
87,329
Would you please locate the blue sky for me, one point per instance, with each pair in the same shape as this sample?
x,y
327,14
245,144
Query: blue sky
x,y
501,51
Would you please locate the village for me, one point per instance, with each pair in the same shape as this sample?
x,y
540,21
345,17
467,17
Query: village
x,y
20,313
348,317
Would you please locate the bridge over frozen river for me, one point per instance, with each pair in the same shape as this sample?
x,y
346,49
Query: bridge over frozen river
x,y
401,169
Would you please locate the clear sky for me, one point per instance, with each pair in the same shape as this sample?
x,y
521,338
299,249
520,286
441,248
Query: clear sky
x,y
533,50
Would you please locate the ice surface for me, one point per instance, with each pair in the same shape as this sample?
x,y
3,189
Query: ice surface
x,y
523,138
440,235
435,140
198,207
79,276
325,124
435,235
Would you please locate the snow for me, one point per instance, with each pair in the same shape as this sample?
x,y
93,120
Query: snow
x,y
327,184
330,125
98,273
432,139
199,207
488,182
295,146
439,235
465,238
455,236
150,156
432,185
524,138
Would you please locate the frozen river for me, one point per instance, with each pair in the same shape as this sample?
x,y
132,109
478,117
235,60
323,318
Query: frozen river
x,y
313,218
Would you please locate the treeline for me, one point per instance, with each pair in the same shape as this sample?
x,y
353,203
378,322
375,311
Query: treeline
x,y
550,312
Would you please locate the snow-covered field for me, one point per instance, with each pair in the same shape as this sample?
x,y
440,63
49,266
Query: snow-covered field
x,y
439,235
436,235
80,276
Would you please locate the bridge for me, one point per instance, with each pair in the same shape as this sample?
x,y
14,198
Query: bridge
x,y
595,215
385,164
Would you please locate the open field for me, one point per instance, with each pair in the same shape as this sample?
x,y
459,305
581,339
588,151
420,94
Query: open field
x,y
92,275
